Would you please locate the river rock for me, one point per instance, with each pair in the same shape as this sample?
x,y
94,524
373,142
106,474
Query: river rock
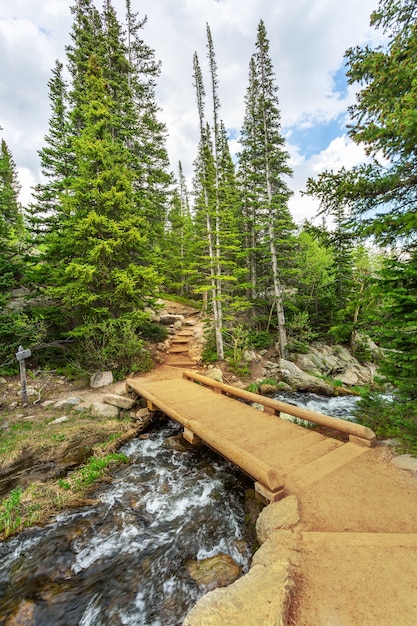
x,y
214,373
24,615
405,461
280,515
67,403
177,443
217,571
101,409
101,379
120,401
299,380
266,389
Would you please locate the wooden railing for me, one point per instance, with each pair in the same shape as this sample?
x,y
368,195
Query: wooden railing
x,y
357,433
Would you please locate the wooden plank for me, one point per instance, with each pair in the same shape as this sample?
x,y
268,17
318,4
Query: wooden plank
x,y
255,441
323,466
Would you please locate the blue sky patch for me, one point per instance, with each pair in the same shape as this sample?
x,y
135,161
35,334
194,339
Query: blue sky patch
x,y
314,139
340,81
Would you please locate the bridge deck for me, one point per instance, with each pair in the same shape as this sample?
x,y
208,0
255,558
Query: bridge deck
x,y
276,453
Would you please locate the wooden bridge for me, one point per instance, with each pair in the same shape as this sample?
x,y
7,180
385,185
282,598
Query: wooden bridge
x,y
280,456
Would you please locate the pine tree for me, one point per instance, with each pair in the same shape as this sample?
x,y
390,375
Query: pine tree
x,y
153,180
57,162
100,267
206,205
179,250
263,166
11,223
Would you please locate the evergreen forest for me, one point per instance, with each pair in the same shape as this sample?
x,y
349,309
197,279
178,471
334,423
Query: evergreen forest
x,y
112,229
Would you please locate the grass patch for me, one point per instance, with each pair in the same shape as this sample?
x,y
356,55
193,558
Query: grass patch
x,y
95,470
10,512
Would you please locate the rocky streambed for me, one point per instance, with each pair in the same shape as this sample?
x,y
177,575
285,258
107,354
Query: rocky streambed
x,y
170,527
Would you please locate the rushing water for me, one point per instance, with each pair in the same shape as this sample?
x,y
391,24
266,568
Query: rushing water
x,y
340,406
122,561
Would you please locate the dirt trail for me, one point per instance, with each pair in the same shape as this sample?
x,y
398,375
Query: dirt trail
x,y
358,549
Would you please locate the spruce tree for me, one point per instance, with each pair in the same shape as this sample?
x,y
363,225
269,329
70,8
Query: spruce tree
x,y
100,267
179,248
56,157
11,223
153,180
263,168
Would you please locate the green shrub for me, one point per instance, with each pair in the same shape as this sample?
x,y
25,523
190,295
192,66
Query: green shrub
x,y
113,344
17,328
389,419
153,332
260,339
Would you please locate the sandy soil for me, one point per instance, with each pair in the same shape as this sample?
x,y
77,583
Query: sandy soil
x,y
358,549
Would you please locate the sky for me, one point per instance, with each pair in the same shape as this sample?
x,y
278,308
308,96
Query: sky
x,y
308,39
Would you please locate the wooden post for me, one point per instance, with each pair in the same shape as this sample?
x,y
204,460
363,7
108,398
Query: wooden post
x,y
21,355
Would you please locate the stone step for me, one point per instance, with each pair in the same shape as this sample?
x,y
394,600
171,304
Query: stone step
x,y
177,339
181,347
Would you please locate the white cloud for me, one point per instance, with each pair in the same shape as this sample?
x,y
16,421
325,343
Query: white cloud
x,y
341,152
307,41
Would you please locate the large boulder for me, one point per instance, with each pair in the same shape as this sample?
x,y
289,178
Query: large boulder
x,y
291,374
281,515
123,402
214,373
170,318
335,362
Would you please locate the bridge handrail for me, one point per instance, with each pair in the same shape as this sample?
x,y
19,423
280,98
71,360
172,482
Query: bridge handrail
x,y
345,426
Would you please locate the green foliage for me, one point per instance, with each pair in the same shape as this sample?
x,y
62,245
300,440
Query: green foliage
x,y
96,468
397,325
112,344
209,354
260,339
10,512
389,419
254,387
300,333
17,328
152,331
197,304
266,226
